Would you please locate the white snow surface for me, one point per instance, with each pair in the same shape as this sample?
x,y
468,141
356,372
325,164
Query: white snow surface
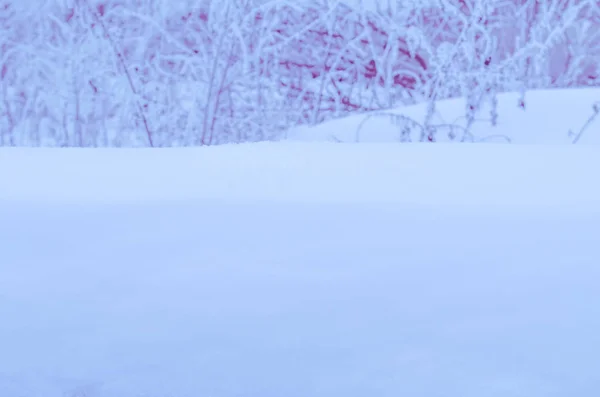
x,y
423,175
300,270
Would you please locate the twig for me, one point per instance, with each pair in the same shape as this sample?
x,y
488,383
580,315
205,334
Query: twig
x,y
589,121
126,70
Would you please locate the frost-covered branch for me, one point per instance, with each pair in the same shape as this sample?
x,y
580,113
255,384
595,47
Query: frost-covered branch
x,y
162,73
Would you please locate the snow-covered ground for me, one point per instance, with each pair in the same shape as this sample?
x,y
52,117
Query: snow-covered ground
x,y
300,270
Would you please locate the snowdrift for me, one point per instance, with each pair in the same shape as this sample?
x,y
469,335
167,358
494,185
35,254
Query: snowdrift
x,y
548,117
300,270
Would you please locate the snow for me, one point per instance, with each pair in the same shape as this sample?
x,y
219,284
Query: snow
x,y
302,269
548,118
430,175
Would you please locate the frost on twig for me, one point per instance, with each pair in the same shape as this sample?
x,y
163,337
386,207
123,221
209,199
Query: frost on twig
x,y
589,121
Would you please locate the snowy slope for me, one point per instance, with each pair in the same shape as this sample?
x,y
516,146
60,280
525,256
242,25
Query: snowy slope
x,y
306,270
549,117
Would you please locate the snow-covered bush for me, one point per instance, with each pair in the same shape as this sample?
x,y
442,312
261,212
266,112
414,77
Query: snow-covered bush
x,y
163,73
